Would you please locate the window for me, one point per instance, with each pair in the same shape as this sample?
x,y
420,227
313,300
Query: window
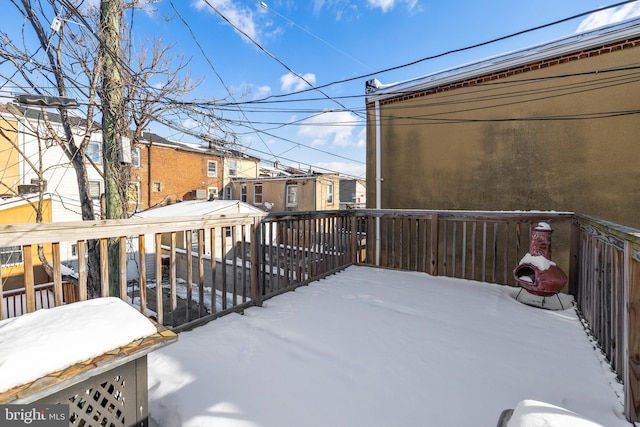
x,y
212,168
135,157
243,192
157,187
94,190
94,152
194,241
233,168
11,255
292,195
257,194
212,192
330,193
133,192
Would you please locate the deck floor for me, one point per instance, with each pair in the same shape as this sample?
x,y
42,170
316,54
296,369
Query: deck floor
x,y
376,347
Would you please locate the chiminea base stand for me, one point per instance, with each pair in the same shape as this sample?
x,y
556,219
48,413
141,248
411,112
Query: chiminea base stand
x,y
543,300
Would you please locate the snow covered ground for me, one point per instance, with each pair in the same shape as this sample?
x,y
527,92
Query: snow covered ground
x,y
372,347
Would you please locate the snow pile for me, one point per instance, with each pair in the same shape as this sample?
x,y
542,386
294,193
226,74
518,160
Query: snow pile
x,y
531,413
539,261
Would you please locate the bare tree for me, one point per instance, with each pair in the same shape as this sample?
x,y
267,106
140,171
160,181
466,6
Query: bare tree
x,y
69,59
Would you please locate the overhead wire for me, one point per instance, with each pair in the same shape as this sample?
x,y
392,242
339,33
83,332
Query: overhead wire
x,y
206,57
271,55
452,51
270,99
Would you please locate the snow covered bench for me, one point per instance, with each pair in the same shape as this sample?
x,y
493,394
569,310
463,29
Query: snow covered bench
x,y
91,355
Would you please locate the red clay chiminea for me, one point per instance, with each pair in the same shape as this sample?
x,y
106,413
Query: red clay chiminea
x,y
536,272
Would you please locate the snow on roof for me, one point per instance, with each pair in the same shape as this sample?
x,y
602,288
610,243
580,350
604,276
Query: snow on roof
x,y
199,208
377,91
45,341
12,202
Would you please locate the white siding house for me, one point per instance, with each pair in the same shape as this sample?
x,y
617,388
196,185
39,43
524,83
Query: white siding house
x,y
41,155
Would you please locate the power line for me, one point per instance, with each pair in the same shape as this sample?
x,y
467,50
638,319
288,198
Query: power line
x,y
452,51
270,9
271,55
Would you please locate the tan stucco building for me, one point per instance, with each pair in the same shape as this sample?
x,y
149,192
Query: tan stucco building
x,y
553,127
313,192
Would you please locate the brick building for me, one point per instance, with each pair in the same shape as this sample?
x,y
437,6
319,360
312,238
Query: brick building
x,y
163,172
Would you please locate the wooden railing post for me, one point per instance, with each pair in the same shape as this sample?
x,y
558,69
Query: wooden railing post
x,y
433,267
159,302
28,278
256,263
574,260
354,240
82,270
104,267
632,380
57,274
122,281
142,283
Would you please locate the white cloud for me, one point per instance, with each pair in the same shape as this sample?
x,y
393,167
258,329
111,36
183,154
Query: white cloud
x,y
292,83
352,169
334,128
190,124
261,91
241,17
609,16
387,5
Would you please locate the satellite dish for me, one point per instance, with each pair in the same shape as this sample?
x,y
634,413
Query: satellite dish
x,y
268,205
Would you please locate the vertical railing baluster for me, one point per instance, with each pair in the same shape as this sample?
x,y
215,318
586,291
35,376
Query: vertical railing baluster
x,y
143,272
82,270
104,267
473,250
30,293
159,300
57,275
214,270
464,249
223,265
173,280
189,278
202,311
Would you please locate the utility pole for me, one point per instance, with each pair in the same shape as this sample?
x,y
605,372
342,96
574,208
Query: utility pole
x,y
112,127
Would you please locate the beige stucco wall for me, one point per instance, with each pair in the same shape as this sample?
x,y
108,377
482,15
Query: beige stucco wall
x,y
471,147
9,156
312,192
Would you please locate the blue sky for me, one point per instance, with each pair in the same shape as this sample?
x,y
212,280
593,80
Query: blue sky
x,y
289,44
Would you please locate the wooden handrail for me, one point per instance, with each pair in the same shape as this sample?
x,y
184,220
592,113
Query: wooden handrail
x,y
291,249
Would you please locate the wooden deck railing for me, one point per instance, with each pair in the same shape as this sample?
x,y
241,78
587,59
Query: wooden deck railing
x,y
206,274
605,267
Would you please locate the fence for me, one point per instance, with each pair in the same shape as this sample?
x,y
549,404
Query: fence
x,y
279,252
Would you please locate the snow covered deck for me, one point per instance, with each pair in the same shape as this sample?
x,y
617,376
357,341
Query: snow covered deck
x,y
374,347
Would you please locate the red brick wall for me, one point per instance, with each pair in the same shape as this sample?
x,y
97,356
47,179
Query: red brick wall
x,y
178,172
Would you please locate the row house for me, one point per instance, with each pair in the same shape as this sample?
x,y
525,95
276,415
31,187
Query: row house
x,y
39,183
165,172
310,192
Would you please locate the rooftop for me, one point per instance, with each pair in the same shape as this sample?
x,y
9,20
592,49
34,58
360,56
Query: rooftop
x,y
377,91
